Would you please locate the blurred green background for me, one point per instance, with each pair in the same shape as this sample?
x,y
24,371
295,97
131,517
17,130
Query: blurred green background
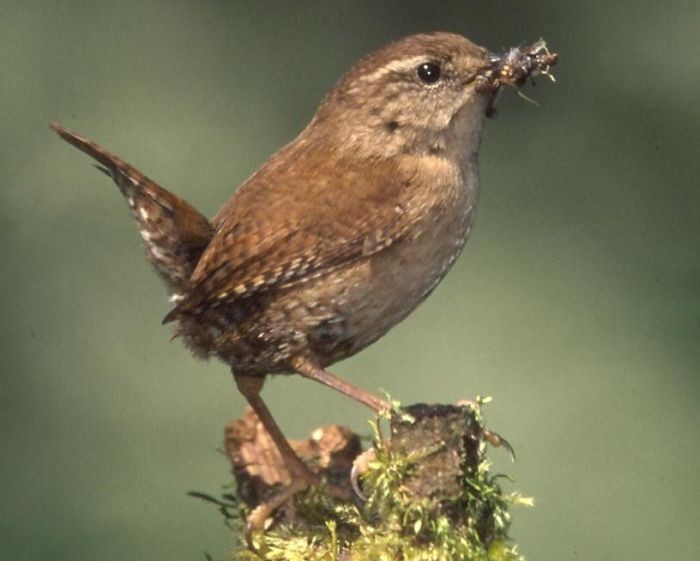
x,y
576,304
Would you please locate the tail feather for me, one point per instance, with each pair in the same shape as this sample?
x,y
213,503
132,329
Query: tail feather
x,y
174,233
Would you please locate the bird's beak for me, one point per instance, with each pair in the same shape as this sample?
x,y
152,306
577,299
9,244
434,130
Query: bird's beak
x,y
486,80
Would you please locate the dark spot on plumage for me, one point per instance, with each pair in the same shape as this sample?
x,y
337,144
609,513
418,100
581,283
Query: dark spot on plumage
x,y
392,126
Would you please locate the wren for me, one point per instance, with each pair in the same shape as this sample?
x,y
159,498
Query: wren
x,y
343,232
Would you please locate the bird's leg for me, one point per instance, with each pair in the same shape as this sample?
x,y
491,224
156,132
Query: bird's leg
x,y
309,369
300,474
250,387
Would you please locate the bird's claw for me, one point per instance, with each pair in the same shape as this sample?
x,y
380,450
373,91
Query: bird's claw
x,y
359,467
497,441
260,518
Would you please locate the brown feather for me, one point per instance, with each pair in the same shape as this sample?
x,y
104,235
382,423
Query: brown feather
x,y
174,233
263,242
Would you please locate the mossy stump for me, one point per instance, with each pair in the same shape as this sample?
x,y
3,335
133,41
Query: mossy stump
x,y
429,494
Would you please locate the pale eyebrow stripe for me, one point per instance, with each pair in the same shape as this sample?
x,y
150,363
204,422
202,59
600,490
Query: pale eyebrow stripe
x,y
395,66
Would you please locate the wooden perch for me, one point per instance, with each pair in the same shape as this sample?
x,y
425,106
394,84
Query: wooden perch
x,y
430,493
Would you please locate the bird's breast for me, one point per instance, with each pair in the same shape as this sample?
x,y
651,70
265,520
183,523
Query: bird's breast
x,y
372,295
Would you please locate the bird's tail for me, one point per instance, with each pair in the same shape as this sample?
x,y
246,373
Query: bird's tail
x,y
174,233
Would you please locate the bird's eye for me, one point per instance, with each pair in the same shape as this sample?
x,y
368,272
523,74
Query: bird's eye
x,y
428,72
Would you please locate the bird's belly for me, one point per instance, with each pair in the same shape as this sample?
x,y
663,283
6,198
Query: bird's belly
x,y
371,296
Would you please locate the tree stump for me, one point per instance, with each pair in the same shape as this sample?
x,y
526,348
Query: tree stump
x,y
428,491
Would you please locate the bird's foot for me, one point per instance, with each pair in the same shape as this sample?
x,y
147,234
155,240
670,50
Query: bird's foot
x,y
262,516
497,441
493,438
359,467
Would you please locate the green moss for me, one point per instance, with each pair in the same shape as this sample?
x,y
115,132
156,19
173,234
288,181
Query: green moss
x,y
395,525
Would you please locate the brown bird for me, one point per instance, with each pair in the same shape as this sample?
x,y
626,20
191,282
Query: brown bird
x,y
343,232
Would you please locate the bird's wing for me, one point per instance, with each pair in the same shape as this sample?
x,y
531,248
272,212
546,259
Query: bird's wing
x,y
174,233
288,225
